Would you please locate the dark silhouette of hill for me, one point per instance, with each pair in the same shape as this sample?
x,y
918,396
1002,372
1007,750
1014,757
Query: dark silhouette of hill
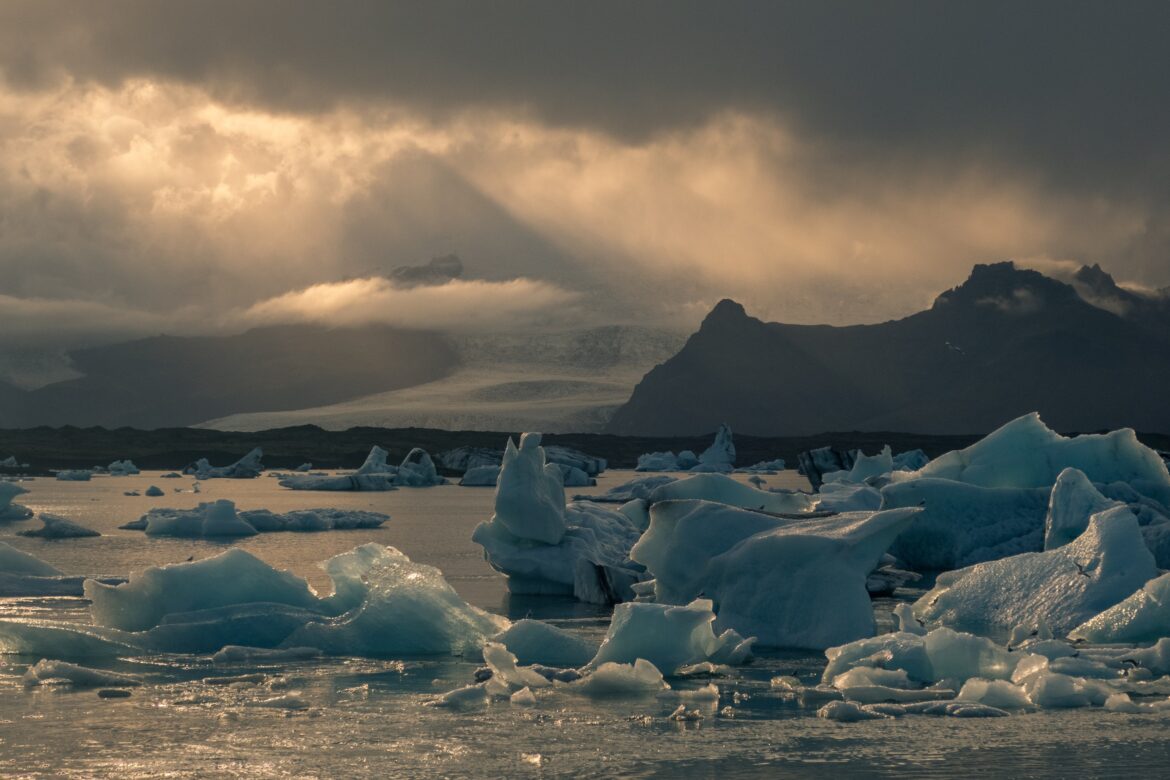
x,y
175,381
1005,342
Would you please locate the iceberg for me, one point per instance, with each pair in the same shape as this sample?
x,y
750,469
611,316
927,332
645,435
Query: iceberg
x,y
9,510
247,467
1062,587
640,488
537,642
50,672
383,605
816,463
74,475
221,519
723,489
546,546
122,468
962,524
464,458
154,491
375,474
657,461
1072,502
19,563
1142,617
12,463
790,583
670,637
22,574
56,527
720,456
480,476
1026,453
614,680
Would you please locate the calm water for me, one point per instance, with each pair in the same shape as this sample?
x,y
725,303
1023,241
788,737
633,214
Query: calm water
x,y
366,717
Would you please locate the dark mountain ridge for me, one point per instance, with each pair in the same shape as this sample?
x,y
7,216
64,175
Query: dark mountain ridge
x,y
1005,342
175,381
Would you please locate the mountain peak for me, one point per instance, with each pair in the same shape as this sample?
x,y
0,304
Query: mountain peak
x,y
726,311
1007,287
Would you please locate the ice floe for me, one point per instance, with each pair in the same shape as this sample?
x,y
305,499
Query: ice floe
x,y
9,510
222,519
546,546
1062,587
384,605
790,583
57,527
246,467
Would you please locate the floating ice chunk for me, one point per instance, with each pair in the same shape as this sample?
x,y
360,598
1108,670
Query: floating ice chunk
x,y
56,527
1142,617
48,672
869,466
480,476
9,510
537,642
1064,587
995,693
1072,502
1026,453
847,497
505,669
122,468
942,654
209,519
403,608
236,654
790,583
720,456
574,477
523,698
640,678
246,467
963,524
722,489
763,467
74,475
530,495
1052,690
907,623
911,460
546,547
19,563
849,712
640,488
383,605
320,519
1120,702
418,470
220,519
657,461
154,491
467,697
668,637
232,577
12,463
288,701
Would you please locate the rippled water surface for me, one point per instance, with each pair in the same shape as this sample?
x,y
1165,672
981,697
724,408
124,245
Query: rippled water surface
x,y
193,718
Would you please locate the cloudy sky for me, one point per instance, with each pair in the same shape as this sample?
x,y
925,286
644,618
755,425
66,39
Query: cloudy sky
x,y
207,166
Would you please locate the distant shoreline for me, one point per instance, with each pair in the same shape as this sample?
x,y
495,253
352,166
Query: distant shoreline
x,y
172,448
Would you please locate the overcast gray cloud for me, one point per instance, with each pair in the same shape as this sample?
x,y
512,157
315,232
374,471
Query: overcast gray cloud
x,y
179,163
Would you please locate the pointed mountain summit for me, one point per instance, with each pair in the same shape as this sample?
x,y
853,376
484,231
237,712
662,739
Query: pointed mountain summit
x,y
1005,342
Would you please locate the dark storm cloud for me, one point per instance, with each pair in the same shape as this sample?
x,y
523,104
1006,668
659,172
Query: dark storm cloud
x,y
1076,90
